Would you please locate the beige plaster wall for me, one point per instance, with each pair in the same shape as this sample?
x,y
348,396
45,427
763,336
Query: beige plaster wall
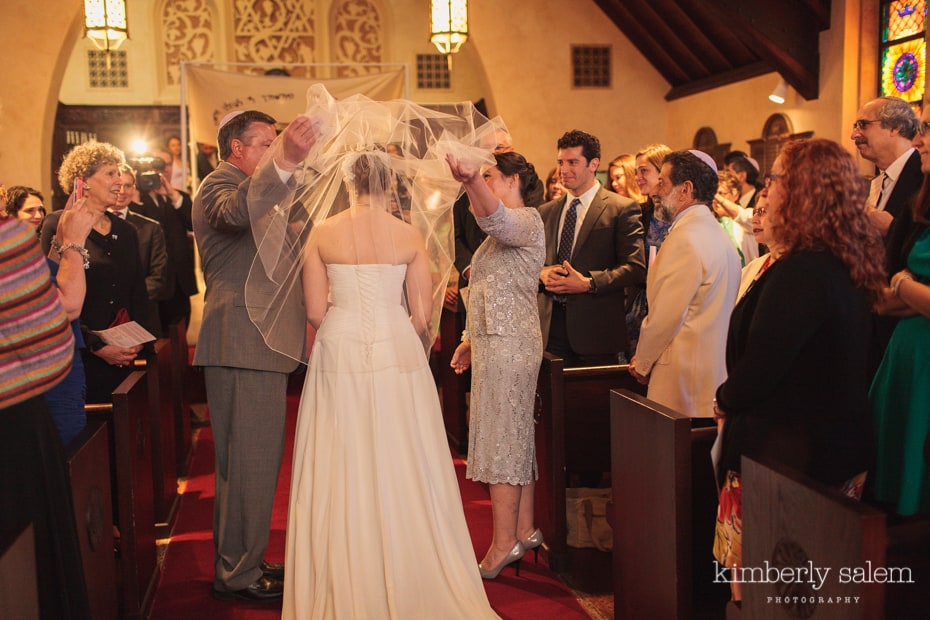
x,y
518,60
522,68
39,38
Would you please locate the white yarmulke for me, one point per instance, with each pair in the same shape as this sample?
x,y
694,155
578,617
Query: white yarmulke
x,y
229,117
754,163
704,157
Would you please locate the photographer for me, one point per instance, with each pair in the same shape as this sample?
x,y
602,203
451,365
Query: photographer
x,y
171,208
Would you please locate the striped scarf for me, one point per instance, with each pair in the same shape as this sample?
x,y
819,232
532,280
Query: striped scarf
x,y
36,342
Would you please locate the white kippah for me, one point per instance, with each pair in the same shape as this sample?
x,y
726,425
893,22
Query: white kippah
x,y
754,163
229,117
704,157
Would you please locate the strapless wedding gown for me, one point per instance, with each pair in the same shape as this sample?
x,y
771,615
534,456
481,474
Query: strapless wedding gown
x,y
375,525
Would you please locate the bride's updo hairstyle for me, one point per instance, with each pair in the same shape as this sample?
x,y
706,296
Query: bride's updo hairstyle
x,y
369,173
512,163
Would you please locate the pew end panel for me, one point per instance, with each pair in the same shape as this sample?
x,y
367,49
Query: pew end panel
x,y
182,377
791,520
19,588
663,510
128,418
161,388
572,440
88,463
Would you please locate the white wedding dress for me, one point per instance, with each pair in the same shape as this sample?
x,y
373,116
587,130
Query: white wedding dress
x,y
375,527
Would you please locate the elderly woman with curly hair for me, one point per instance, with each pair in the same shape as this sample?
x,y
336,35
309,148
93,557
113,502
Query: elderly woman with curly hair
x,y
796,352
115,278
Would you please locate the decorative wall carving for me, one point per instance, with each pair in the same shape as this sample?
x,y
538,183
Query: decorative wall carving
x,y
188,34
357,36
274,31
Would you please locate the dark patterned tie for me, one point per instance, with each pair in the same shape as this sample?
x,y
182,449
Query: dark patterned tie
x,y
881,192
568,232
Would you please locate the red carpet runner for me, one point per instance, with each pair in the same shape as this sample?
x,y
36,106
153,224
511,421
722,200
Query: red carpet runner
x,y
187,576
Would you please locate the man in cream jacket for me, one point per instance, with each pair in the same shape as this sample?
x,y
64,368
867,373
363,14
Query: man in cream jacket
x,y
691,289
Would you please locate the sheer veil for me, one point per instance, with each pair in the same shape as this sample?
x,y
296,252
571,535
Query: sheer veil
x,y
399,148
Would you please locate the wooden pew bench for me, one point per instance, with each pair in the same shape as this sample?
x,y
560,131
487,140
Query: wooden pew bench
x,y
663,512
572,440
182,379
128,421
160,374
19,588
870,565
88,463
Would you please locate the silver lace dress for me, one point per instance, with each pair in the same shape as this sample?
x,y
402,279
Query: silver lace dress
x,y
503,326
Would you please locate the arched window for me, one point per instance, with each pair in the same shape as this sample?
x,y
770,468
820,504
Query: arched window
x,y
903,49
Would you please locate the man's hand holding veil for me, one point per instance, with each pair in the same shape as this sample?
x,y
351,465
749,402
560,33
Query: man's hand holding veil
x,y
296,141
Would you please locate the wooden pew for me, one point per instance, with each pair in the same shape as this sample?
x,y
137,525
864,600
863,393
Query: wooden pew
x,y
454,387
19,590
791,520
88,463
161,386
128,419
181,396
664,510
572,438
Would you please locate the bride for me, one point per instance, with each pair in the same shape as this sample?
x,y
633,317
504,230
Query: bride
x,y
375,526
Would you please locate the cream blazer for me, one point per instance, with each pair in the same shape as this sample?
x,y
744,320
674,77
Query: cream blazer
x,y
691,290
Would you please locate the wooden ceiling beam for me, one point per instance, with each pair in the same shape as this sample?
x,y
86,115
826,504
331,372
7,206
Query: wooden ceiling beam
x,y
719,79
653,37
787,35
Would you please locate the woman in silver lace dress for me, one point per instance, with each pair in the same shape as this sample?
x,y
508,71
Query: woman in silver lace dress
x,y
504,342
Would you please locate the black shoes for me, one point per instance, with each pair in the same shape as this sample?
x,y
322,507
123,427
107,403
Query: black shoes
x,y
265,590
272,569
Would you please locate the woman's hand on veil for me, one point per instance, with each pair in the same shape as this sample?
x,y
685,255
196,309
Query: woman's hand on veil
x,y
296,142
463,172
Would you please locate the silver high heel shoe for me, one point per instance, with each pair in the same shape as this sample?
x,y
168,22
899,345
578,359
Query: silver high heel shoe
x,y
534,541
514,557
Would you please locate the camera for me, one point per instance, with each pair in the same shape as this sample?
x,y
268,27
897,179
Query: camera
x,y
148,172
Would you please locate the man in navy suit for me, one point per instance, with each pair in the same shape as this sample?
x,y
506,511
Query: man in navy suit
x,y
594,250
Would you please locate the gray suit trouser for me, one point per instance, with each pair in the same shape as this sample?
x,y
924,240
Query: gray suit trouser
x,y
247,413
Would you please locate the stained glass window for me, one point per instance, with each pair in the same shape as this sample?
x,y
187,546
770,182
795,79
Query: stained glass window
x,y
903,49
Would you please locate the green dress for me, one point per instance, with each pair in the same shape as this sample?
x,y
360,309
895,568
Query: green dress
x,y
900,399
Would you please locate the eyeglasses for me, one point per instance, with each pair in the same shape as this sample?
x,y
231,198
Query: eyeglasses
x,y
862,124
922,127
758,212
771,178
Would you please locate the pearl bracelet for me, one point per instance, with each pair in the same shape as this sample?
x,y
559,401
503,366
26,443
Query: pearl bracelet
x,y
72,246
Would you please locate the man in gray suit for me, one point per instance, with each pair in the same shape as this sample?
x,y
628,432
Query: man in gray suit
x,y
246,381
594,250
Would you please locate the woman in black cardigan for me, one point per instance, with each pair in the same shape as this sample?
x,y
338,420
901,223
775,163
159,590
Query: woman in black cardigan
x,y
797,381
115,277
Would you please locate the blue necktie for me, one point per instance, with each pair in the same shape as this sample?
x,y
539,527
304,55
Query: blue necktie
x,y
568,232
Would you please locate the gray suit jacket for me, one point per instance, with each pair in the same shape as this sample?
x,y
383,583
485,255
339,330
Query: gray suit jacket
x,y
609,249
224,239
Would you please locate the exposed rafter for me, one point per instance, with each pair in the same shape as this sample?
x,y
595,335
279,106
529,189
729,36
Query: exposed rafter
x,y
701,44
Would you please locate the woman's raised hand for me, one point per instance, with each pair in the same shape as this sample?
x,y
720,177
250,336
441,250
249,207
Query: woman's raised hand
x,y
463,172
